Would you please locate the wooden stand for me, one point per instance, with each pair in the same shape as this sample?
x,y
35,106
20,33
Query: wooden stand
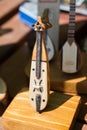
x,y
60,113
66,83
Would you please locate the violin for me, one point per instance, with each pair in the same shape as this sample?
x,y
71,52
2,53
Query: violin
x,y
39,75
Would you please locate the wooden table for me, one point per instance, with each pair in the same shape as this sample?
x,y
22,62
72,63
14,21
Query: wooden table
x,y
60,113
13,73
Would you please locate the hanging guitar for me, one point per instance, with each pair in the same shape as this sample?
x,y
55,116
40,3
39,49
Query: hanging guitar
x,y
70,58
39,75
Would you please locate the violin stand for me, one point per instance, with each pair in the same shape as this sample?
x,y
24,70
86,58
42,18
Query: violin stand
x,y
60,113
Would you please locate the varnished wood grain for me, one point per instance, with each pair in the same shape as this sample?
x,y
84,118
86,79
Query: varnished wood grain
x,y
59,114
1,127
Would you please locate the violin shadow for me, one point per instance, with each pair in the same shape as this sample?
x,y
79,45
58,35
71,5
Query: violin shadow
x,y
56,100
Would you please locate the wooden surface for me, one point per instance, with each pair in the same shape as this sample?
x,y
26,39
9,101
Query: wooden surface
x,y
14,68
1,127
67,83
8,8
14,31
60,113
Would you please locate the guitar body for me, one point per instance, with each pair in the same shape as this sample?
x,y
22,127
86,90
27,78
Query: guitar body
x,y
49,47
39,88
70,59
70,56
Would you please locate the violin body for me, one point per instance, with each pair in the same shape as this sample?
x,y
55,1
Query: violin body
x,y
41,86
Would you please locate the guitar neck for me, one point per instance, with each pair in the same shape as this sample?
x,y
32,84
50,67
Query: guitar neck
x,y
38,53
71,27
